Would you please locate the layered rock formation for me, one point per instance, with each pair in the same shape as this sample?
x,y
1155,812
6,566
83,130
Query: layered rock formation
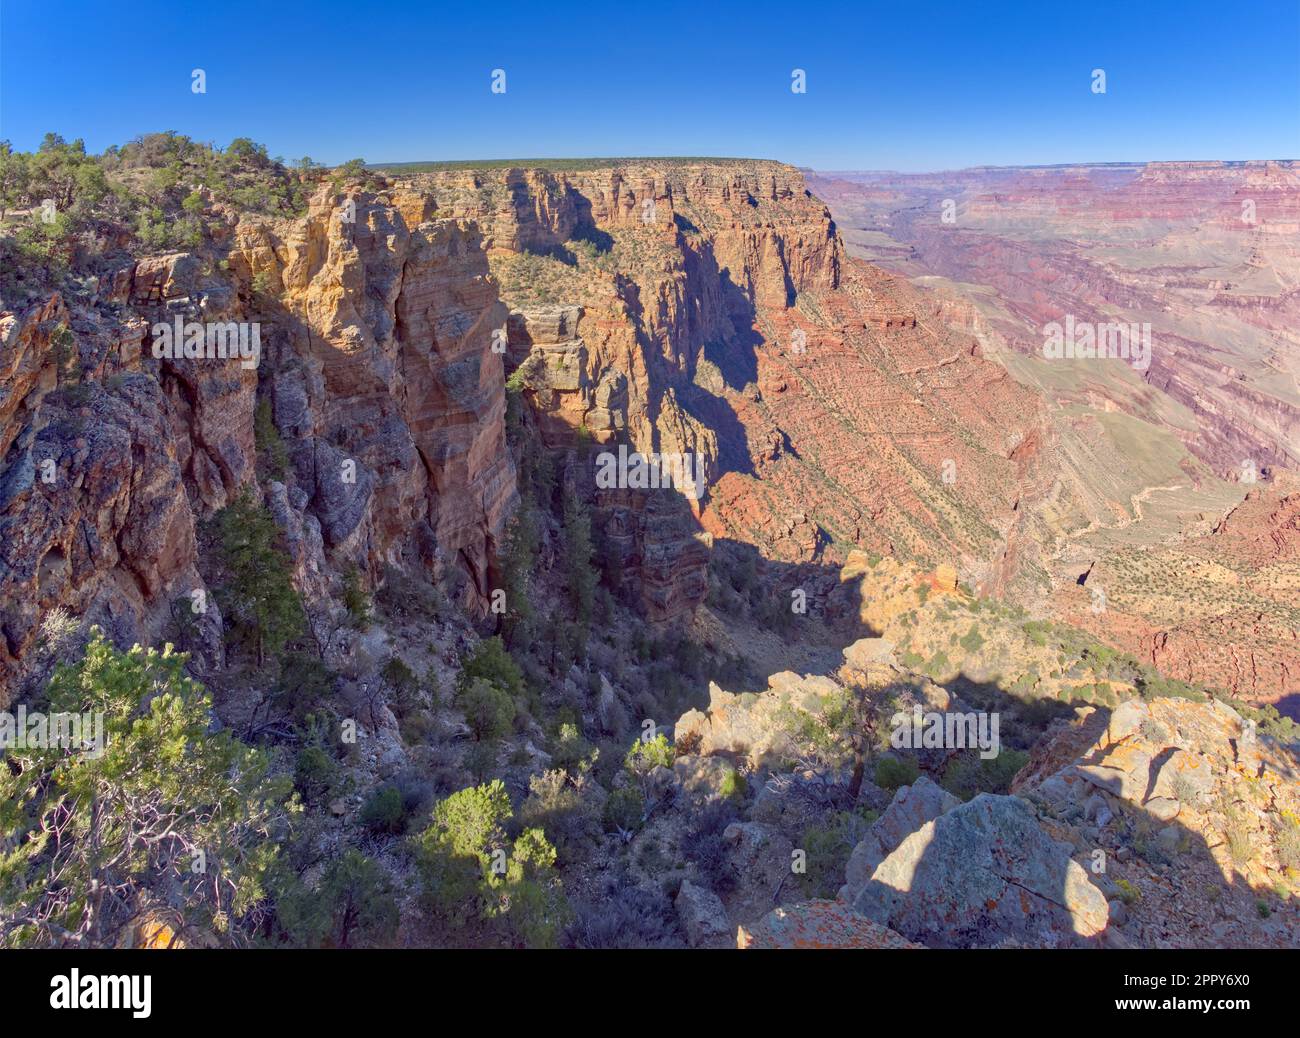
x,y
709,309
377,362
389,322
698,310
1133,459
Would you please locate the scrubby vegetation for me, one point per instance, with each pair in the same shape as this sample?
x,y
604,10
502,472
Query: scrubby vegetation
x,y
166,805
162,191
476,877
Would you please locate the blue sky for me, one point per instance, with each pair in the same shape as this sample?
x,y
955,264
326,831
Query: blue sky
x,y
899,85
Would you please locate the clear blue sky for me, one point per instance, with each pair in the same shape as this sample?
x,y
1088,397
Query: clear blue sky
x,y
899,85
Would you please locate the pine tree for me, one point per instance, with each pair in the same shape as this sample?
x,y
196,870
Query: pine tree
x,y
520,557
578,552
258,594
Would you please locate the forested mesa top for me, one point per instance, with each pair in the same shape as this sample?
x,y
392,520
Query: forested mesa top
x,y
561,165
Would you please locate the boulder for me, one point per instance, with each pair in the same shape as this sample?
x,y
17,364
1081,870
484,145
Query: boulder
x,y
866,652
819,924
981,874
702,916
1184,775
910,809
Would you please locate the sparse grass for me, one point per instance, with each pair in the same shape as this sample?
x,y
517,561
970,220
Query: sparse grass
x,y
1288,841
1237,833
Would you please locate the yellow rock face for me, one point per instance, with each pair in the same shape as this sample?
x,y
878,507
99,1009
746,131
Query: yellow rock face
x,y
946,577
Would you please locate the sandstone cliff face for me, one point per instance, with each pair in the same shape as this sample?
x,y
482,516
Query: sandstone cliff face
x,y
377,360
710,309
110,461
703,310
685,255
389,391
678,260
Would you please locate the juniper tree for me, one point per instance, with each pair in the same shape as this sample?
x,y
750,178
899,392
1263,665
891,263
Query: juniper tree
x,y
169,813
473,872
355,898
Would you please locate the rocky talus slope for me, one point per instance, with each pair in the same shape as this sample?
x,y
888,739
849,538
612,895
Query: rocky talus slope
x,y
1160,823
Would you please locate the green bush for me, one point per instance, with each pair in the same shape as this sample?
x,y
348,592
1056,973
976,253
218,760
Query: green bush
x,y
647,754
623,809
304,685
491,662
383,811
406,687
315,774
893,772
471,870
733,785
480,760
355,897
968,774
826,852
561,808
488,709
523,541
1270,721
571,752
